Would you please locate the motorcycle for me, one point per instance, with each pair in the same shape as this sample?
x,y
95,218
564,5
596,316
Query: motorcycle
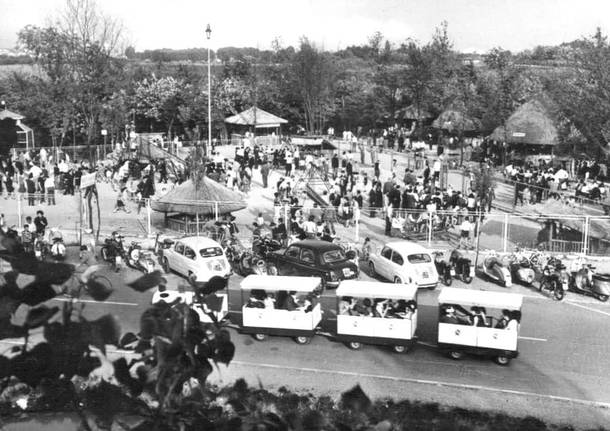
x,y
443,268
554,278
140,259
585,281
495,270
234,250
521,269
255,262
58,249
460,267
113,253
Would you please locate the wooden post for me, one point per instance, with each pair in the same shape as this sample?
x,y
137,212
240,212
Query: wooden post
x,y
197,221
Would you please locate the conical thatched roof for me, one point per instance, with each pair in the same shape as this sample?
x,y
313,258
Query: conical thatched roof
x,y
411,112
255,117
532,123
188,199
454,120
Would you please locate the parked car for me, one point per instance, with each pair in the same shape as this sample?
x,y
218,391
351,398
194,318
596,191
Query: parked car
x,y
197,258
405,262
316,258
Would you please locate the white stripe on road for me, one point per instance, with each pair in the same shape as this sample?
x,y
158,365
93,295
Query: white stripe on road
x,y
532,338
426,382
91,301
588,308
572,301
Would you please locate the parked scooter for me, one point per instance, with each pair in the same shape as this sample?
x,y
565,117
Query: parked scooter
x,y
586,282
112,251
495,270
140,259
58,249
554,278
255,262
521,270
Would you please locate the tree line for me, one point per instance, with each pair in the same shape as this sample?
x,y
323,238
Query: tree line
x,y
88,81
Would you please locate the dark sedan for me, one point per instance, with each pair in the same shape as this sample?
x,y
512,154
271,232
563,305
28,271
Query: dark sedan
x,y
314,258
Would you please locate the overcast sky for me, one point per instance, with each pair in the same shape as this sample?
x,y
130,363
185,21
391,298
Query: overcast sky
x,y
474,25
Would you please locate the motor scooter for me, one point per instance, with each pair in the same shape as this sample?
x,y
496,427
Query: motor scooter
x,y
586,282
554,278
521,270
139,259
255,262
58,249
495,270
113,253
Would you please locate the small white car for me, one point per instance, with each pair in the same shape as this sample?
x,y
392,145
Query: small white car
x,y
198,258
405,262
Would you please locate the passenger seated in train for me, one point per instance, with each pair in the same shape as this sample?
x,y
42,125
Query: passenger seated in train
x,y
269,301
346,304
449,315
257,299
478,316
290,301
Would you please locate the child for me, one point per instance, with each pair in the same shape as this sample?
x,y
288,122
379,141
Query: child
x,y
366,248
120,201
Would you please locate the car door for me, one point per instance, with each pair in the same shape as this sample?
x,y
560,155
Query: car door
x,y
397,267
288,264
175,258
307,263
384,261
188,261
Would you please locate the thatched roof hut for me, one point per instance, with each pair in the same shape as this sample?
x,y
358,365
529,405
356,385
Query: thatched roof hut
x,y
256,117
412,112
454,121
201,199
533,123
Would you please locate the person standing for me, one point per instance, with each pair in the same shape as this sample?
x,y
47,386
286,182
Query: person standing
x,y
41,223
49,186
265,173
31,190
388,220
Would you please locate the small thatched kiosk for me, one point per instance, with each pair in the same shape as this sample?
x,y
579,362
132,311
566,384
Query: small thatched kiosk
x,y
533,124
192,205
456,121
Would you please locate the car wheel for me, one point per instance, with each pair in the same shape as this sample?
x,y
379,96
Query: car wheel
x,y
302,340
502,360
165,264
602,297
372,268
456,355
192,278
354,345
104,254
399,349
397,280
260,337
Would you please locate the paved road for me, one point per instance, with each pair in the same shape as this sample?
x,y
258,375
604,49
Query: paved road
x,y
564,350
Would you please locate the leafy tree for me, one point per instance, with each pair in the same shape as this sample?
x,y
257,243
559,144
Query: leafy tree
x,y
159,99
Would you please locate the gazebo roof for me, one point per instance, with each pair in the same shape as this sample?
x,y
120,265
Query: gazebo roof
x,y
256,117
532,123
412,112
189,199
5,113
454,120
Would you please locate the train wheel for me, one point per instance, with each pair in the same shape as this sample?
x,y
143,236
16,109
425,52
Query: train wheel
x,y
502,360
302,340
354,345
260,337
456,355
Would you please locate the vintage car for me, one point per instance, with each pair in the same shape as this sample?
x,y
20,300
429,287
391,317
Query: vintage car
x,y
315,258
197,258
405,262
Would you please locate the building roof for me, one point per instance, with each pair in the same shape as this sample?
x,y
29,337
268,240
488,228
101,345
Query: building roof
x,y
255,117
454,120
532,123
5,113
187,198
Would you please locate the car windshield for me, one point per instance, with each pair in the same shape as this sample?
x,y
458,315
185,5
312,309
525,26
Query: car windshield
x,y
210,252
332,256
419,258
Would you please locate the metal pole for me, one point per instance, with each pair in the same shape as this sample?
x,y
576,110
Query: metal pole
x,y
216,211
585,241
505,233
209,97
148,214
19,210
357,229
429,228
197,221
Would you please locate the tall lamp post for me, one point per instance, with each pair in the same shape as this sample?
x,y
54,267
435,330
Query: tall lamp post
x,y
208,33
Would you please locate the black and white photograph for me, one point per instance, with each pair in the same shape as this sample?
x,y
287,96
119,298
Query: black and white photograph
x,y
307,215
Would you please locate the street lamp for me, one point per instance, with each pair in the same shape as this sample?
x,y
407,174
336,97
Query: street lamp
x,y
208,33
